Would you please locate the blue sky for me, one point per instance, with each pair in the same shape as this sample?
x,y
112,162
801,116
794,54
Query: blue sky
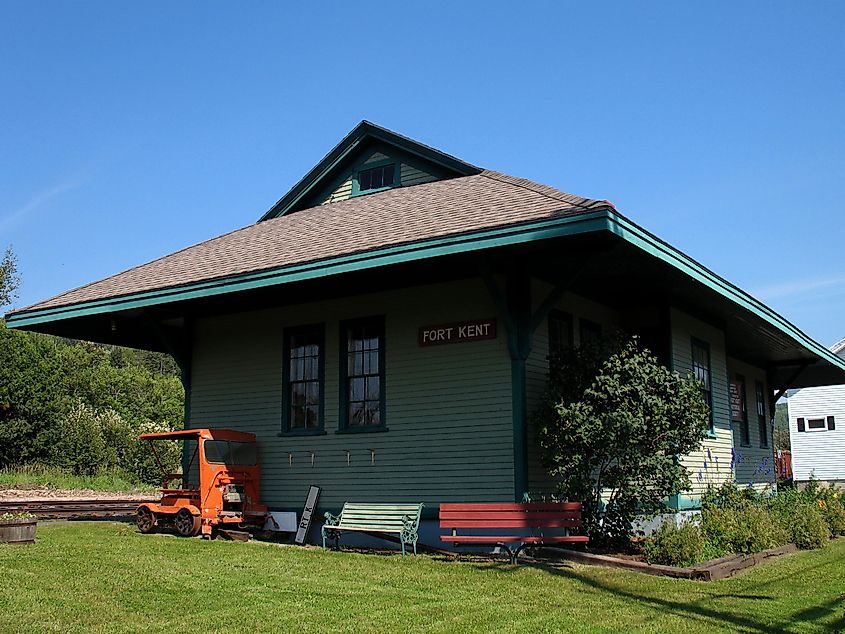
x,y
131,130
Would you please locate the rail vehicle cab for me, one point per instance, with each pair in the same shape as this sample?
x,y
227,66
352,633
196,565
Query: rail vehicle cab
x,y
219,486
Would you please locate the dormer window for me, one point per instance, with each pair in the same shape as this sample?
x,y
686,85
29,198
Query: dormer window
x,y
376,178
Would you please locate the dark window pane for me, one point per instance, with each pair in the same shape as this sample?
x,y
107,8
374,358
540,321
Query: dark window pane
x,y
356,413
387,179
373,414
312,393
365,180
356,389
373,388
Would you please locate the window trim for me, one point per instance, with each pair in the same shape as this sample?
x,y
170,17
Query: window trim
x,y
823,419
356,186
695,342
762,420
343,392
744,424
287,430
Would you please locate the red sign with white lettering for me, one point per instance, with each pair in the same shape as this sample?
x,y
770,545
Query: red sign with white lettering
x,y
459,332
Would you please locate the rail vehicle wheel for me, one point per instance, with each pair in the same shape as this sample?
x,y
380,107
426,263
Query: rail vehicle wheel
x,y
187,524
145,520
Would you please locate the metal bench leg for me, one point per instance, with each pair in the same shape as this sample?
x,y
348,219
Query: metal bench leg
x,y
515,556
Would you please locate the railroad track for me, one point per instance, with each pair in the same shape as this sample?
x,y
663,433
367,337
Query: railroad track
x,y
72,509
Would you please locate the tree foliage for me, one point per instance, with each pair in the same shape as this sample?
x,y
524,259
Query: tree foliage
x,y
81,405
612,428
9,279
781,432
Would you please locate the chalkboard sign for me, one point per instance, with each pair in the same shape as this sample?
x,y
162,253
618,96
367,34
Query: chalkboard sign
x,y
307,512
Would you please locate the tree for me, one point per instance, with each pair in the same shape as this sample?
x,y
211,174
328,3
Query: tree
x,y
781,432
612,429
9,278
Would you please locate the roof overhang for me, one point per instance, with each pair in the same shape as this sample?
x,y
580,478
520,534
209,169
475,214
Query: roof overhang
x,y
753,331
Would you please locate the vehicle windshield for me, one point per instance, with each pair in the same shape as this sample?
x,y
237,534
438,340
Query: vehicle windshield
x,y
230,452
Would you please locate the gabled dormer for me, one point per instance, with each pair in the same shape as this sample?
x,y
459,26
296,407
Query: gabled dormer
x,y
368,160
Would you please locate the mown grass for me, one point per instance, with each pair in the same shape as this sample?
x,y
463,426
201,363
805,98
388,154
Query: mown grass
x,y
105,577
56,478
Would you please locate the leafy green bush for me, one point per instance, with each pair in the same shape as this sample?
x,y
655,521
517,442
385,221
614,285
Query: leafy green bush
x,y
742,529
611,427
673,545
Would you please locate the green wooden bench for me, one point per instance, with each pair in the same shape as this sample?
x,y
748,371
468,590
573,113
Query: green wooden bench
x,y
400,519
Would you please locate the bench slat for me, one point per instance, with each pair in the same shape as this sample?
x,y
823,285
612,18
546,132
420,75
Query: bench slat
x,y
512,506
508,523
527,539
502,515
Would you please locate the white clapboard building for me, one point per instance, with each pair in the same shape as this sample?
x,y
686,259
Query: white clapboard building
x,y
817,430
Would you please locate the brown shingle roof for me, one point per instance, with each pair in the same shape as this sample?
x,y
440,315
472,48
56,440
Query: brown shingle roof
x,y
393,217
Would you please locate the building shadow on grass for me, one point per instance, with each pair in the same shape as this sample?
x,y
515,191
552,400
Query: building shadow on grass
x,y
695,610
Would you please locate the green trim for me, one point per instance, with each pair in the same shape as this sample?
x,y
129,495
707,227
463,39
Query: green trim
x,y
684,502
343,393
696,342
594,221
315,431
414,251
656,247
363,132
356,186
320,331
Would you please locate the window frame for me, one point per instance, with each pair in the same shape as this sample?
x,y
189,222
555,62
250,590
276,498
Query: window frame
x,y
694,343
569,323
744,424
343,393
320,331
587,325
762,421
356,185
823,419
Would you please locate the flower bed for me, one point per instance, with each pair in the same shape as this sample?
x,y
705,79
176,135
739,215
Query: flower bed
x,y
737,521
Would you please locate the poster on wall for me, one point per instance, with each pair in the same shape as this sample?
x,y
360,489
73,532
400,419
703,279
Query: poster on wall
x,y
737,401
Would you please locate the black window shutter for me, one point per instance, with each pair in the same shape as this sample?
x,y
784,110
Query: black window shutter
x,y
801,424
831,423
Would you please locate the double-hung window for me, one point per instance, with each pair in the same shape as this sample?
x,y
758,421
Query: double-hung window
x,y
701,371
303,379
762,423
744,426
560,332
590,332
362,375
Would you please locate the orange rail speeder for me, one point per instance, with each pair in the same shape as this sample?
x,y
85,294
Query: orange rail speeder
x,y
219,486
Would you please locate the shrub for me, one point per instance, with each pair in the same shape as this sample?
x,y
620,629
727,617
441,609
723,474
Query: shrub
x,y
806,526
673,545
611,427
832,509
742,529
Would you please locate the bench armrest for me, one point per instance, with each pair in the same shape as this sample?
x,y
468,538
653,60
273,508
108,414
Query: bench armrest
x,y
332,519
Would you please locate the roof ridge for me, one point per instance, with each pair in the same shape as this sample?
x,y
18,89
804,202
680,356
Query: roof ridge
x,y
543,190
838,347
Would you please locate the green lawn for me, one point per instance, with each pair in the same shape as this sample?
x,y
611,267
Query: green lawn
x,y
105,577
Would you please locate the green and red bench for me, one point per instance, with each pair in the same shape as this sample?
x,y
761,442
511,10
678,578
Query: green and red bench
x,y
520,524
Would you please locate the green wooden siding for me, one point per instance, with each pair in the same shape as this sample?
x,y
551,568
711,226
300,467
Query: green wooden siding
x,y
411,172
448,407
756,460
718,462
